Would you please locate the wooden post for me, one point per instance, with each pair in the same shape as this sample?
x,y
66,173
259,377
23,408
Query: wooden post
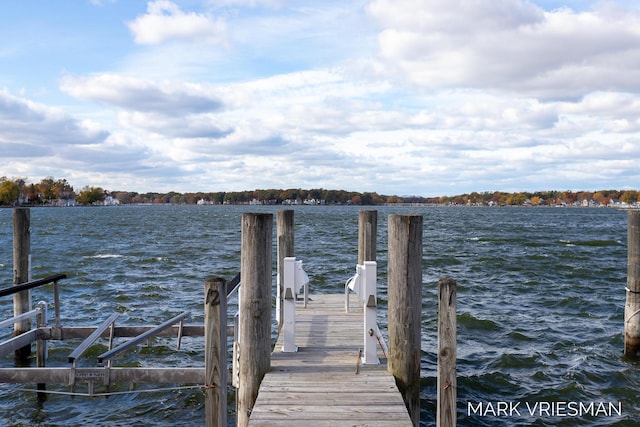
x,y
446,383
285,249
405,307
255,309
215,352
21,255
367,231
632,306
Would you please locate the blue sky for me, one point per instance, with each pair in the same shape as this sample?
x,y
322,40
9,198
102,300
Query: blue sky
x,y
407,97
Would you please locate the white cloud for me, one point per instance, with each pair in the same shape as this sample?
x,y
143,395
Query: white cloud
x,y
29,127
511,45
454,16
346,130
177,126
141,94
165,21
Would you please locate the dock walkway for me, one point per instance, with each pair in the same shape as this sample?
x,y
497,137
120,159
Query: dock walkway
x,y
324,383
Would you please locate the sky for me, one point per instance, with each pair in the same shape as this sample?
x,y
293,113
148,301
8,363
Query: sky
x,y
398,97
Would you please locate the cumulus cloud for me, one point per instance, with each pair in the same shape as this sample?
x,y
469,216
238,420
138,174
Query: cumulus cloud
x,y
29,126
165,21
141,94
178,126
509,44
38,141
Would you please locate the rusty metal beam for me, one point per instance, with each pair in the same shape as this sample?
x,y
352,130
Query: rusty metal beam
x,y
82,332
103,375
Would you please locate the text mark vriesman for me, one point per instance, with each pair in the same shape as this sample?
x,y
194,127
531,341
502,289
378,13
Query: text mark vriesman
x,y
544,409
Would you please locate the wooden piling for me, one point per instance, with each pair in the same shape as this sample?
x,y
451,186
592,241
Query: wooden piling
x,y
405,307
21,254
215,352
447,334
367,231
285,249
632,306
255,309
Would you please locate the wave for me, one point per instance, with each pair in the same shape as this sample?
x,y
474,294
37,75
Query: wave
x,y
103,256
595,242
470,322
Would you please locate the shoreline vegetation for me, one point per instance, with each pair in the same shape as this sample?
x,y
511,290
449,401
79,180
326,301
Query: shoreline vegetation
x,y
58,192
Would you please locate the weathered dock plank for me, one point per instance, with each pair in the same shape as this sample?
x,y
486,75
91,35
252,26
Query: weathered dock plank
x,y
324,382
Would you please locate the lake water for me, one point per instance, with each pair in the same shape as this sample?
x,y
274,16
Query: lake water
x,y
540,303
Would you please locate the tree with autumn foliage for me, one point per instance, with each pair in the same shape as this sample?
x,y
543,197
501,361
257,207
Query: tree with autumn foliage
x,y
51,189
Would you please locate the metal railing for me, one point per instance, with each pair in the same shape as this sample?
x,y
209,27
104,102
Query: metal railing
x,y
28,337
138,339
37,283
32,284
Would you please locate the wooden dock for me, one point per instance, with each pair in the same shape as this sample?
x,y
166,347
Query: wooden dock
x,y
324,383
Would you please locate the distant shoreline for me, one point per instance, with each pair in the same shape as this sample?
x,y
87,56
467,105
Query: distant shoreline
x,y
432,205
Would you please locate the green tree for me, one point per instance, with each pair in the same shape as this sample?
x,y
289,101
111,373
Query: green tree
x,y
9,191
90,195
629,197
516,199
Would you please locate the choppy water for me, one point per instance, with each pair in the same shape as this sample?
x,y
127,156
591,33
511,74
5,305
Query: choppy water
x,y
540,301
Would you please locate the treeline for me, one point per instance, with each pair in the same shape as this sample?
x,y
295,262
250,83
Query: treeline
x,y
58,192
341,197
270,197
541,198
18,191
